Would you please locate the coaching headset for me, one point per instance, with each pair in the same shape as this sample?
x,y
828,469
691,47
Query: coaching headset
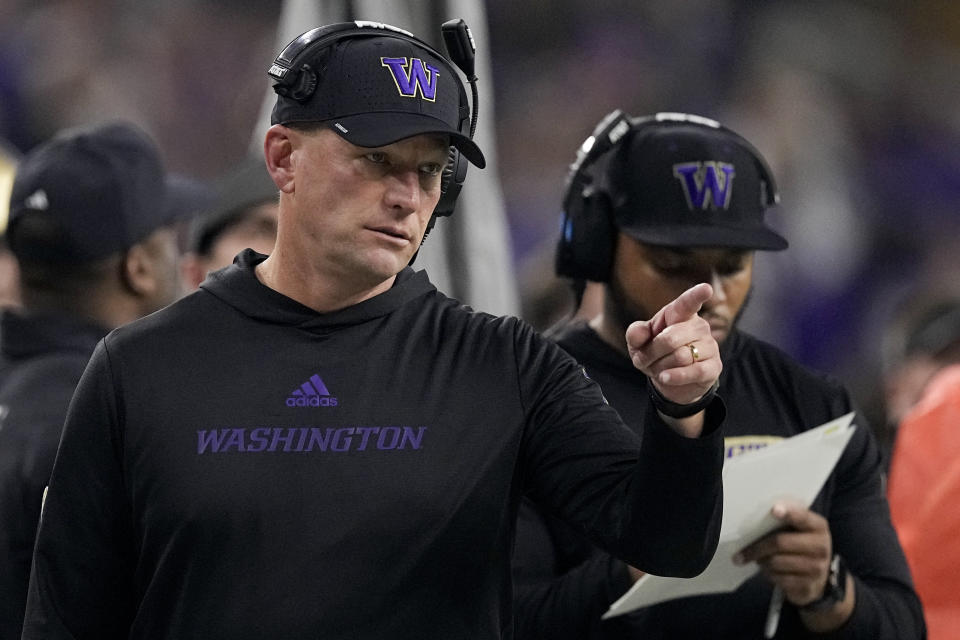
x,y
588,233
297,80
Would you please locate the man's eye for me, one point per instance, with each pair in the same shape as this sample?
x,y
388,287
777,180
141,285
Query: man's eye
x,y
733,266
431,169
377,157
730,269
671,268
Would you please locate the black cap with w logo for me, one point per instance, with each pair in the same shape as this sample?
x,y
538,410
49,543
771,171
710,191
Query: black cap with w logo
x,y
683,183
374,85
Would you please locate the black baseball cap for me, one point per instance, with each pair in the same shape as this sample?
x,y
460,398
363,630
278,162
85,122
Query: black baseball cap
x,y
102,188
373,87
686,181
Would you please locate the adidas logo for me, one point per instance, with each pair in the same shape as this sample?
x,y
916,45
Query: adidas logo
x,y
312,393
37,200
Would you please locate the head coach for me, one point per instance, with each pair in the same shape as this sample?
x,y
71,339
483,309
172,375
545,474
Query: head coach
x,y
318,443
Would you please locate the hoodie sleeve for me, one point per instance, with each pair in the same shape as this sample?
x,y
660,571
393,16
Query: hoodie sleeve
x,y
562,584
655,505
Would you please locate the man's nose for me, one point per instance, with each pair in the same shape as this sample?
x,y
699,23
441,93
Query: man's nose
x,y
403,191
719,293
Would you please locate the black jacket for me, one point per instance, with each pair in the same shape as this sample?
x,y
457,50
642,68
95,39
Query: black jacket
x,y
565,584
41,360
240,466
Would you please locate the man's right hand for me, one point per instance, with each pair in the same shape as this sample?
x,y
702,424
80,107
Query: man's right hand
x,y
679,354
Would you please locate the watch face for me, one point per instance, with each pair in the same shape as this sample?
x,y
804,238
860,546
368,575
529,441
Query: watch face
x,y
835,589
834,577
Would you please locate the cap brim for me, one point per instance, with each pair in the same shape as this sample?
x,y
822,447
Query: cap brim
x,y
760,238
383,128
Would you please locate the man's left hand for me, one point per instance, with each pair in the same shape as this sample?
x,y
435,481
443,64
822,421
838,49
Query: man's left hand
x,y
797,557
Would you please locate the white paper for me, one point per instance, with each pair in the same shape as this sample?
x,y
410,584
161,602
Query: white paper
x,y
793,469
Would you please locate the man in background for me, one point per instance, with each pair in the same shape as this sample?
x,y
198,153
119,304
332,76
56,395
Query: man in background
x,y
924,486
244,215
92,225
652,205
922,338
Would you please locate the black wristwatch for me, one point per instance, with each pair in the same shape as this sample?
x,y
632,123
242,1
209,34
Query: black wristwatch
x,y
676,410
835,590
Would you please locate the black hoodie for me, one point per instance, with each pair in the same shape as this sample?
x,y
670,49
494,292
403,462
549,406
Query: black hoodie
x,y
241,466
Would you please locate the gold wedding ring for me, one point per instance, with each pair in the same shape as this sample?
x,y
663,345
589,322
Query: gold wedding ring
x,y
694,352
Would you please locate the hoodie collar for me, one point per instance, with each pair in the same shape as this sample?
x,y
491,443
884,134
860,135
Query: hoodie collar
x,y
238,286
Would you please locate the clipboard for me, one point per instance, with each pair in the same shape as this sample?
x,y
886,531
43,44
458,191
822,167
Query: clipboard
x,y
793,469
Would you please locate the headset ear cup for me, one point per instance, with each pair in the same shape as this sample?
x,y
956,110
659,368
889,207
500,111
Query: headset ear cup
x,y
451,181
306,84
588,236
587,239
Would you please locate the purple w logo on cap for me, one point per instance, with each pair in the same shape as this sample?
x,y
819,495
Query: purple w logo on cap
x,y
705,184
413,75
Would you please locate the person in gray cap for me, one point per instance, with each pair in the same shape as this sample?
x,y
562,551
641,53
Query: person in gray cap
x,y
92,225
243,215
318,443
652,205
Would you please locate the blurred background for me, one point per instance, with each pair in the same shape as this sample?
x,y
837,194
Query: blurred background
x,y
855,104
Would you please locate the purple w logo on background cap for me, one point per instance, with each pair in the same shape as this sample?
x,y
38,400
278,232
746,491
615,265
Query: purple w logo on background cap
x,y
705,184
413,75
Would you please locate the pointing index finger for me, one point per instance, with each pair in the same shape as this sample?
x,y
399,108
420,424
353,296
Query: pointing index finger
x,y
684,307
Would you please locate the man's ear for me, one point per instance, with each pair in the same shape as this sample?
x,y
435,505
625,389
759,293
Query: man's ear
x,y
278,151
137,272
